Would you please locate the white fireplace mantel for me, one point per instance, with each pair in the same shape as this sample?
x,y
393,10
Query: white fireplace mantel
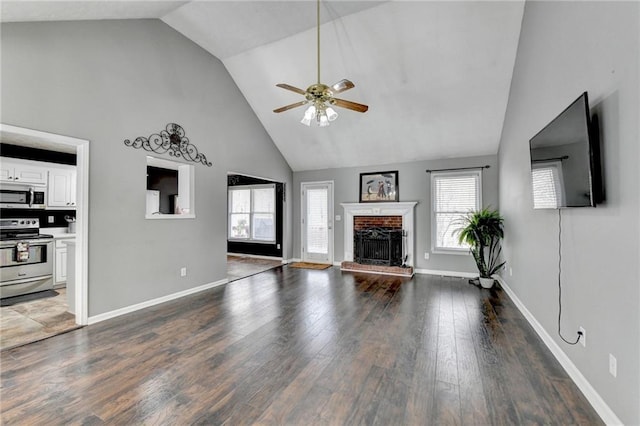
x,y
404,209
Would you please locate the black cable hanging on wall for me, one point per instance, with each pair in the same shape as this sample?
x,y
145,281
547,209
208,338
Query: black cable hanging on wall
x,y
560,282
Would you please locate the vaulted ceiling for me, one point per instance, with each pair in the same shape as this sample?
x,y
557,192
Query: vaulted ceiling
x,y
435,74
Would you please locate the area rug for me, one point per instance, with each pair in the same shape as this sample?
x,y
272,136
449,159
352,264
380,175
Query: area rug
x,y
309,265
10,301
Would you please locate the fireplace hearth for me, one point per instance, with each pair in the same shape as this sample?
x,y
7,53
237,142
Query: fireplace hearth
x,y
378,246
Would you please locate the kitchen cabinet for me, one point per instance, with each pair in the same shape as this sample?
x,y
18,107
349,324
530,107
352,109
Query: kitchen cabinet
x,y
61,192
61,256
16,171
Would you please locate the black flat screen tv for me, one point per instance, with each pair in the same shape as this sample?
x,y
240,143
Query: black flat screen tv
x,y
565,160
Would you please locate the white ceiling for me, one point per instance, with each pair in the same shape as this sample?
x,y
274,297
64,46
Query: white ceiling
x,y
435,74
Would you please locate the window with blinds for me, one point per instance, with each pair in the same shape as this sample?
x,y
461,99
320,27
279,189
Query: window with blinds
x,y
252,213
454,194
547,185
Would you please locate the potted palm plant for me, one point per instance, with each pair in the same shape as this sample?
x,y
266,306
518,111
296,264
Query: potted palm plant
x,y
482,230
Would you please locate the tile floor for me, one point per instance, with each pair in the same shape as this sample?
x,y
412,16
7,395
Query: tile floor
x,y
35,320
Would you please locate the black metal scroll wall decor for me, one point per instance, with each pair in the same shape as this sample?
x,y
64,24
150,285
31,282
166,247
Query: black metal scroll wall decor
x,y
171,140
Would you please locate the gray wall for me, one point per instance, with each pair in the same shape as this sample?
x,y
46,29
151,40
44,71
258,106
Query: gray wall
x,y
567,48
414,185
107,81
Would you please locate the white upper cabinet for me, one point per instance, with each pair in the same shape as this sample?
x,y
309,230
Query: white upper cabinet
x,y
15,171
62,188
59,179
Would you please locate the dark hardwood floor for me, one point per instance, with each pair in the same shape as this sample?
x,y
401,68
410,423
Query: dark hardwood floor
x,y
295,346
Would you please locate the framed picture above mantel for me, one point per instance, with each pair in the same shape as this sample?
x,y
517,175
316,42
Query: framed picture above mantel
x,y
379,187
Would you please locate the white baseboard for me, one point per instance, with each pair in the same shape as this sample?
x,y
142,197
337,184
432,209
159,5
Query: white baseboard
x,y
604,411
128,309
447,273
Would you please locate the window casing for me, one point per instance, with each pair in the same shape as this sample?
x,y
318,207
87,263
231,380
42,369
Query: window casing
x,y
252,213
453,195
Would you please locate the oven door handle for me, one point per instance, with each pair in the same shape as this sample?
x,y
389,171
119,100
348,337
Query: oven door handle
x,y
26,280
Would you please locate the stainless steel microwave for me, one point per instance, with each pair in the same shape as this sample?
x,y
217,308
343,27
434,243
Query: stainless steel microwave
x,y
22,197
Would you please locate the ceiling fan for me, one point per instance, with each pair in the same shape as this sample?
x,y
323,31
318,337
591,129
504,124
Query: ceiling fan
x,y
320,96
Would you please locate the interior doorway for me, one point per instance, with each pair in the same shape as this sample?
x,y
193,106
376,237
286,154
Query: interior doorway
x,y
255,224
317,222
35,139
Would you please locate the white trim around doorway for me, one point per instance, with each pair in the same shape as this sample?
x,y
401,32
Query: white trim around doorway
x,y
330,214
45,140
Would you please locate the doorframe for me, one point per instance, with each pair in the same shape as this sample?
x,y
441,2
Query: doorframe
x,y
330,214
284,207
52,140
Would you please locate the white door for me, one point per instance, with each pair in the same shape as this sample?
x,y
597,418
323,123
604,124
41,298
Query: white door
x,y
317,222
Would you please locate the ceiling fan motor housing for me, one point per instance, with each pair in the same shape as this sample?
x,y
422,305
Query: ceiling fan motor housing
x,y
319,92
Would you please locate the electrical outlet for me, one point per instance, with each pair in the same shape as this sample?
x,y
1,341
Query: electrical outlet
x,y
426,255
50,219
278,246
183,271
338,218
583,338
613,365
510,271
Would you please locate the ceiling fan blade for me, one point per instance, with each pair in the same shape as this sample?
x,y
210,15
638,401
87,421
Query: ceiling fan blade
x,y
293,89
342,86
288,107
349,105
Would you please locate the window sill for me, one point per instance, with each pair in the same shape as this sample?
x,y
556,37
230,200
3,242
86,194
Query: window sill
x,y
464,252
170,216
239,240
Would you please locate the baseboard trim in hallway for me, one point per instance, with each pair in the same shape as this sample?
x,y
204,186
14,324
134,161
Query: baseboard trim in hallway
x,y
132,308
604,411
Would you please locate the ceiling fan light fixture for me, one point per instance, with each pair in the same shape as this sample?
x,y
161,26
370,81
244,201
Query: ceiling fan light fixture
x,y
323,120
310,112
306,121
331,114
320,95
309,115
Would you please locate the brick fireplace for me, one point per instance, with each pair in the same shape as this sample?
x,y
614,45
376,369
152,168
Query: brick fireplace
x,y
378,240
382,216
365,222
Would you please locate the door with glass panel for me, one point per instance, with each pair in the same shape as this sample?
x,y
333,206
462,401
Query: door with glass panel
x,y
317,222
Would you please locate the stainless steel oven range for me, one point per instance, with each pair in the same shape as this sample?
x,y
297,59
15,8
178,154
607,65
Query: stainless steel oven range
x,y
26,257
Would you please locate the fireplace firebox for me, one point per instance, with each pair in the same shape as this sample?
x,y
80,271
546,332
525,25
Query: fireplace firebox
x,y
378,246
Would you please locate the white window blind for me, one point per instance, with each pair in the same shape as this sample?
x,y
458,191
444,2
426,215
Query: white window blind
x,y
317,232
252,213
547,185
453,196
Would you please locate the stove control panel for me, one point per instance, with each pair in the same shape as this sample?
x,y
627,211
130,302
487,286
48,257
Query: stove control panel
x,y
27,223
